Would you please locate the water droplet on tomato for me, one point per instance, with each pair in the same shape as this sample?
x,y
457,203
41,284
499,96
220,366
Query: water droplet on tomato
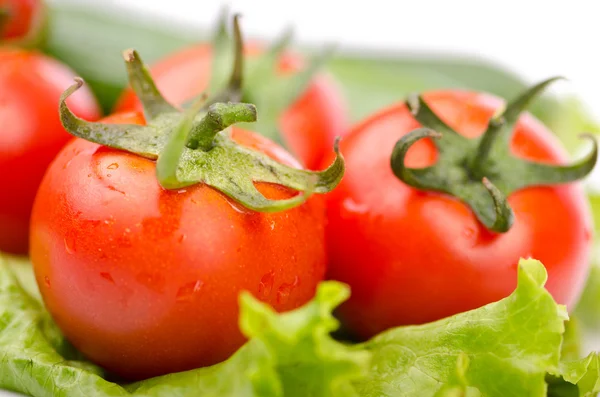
x,y
182,238
47,281
283,294
470,236
114,189
285,290
180,191
107,276
113,166
188,291
69,241
272,225
266,284
351,207
239,208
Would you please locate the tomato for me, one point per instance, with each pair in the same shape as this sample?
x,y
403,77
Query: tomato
x,y
31,134
414,256
308,127
22,18
145,281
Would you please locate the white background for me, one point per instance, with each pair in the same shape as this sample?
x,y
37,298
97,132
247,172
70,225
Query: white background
x,y
537,39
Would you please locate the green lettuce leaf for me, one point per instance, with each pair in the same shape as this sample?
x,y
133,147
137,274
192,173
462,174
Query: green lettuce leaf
x,y
21,268
588,308
584,373
289,353
507,348
457,385
510,346
571,346
577,378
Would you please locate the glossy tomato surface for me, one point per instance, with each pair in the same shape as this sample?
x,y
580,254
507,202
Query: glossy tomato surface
x,y
145,281
30,134
412,257
308,127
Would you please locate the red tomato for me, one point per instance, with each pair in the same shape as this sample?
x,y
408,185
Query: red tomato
x,y
308,127
31,134
412,256
145,281
22,15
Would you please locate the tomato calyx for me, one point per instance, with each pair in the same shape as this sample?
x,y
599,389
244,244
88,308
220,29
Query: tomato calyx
x,y
257,79
195,146
481,171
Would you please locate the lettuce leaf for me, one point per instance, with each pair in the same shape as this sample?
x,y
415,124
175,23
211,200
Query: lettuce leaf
x,y
584,373
577,378
588,308
288,354
507,348
571,346
21,268
510,346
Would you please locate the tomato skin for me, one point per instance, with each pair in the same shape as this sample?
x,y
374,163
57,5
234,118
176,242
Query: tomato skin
x,y
31,134
145,281
309,127
413,257
23,14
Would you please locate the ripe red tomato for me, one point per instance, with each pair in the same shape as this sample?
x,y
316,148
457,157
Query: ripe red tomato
x,y
145,281
31,134
308,127
413,256
22,16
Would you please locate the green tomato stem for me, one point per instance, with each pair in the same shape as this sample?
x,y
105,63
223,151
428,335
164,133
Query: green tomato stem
x,y
192,147
233,91
258,80
219,117
482,172
142,84
169,159
500,128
